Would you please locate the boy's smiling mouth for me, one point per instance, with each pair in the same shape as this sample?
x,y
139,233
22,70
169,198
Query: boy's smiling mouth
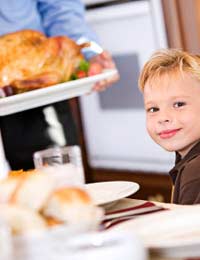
x,y
168,133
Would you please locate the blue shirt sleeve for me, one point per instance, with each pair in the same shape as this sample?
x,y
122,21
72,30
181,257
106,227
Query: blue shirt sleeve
x,y
65,17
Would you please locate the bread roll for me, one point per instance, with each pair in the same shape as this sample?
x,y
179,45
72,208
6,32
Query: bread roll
x,y
72,205
28,188
34,190
51,222
21,220
7,188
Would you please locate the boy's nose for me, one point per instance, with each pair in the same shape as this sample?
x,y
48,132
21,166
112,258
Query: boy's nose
x,y
164,118
161,121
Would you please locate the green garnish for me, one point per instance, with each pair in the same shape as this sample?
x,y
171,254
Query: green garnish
x,y
84,65
73,77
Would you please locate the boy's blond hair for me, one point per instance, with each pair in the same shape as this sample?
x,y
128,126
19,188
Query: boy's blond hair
x,y
169,61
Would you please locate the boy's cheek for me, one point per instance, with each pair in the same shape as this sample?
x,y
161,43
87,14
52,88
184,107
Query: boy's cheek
x,y
150,129
148,125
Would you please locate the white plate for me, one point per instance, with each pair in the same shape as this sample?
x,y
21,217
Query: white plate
x,y
173,233
44,96
111,191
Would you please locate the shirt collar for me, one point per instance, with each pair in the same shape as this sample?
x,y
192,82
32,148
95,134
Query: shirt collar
x,y
181,161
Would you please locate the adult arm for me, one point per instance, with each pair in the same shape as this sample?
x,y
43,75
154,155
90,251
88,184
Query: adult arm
x,y
67,17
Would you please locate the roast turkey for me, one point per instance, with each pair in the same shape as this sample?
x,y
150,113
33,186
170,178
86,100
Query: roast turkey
x,y
30,60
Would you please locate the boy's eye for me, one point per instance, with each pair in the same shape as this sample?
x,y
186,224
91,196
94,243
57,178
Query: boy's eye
x,y
179,104
152,109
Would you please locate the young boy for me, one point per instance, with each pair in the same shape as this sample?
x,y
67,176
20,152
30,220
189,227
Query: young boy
x,y
170,83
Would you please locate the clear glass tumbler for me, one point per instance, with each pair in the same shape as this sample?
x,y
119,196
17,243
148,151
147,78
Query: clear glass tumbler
x,y
65,163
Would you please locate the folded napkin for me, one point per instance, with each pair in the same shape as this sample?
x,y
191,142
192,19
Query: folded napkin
x,y
115,217
170,232
176,227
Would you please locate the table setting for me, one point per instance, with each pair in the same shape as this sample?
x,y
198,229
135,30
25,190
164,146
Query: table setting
x,y
94,220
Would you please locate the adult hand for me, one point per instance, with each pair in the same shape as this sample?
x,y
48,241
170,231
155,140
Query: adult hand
x,y
106,62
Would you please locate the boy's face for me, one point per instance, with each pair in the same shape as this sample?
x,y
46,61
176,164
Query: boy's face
x,y
172,105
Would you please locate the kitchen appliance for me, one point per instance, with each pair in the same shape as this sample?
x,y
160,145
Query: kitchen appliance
x,y
114,120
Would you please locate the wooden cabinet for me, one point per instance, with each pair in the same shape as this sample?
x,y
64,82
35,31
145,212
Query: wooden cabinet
x,y
182,20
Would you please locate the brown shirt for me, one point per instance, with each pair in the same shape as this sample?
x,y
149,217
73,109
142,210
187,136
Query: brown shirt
x,y
186,177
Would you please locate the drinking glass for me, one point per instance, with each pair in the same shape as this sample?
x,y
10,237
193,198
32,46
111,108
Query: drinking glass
x,y
65,163
106,245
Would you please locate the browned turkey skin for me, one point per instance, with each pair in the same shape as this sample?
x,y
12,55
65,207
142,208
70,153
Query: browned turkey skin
x,y
29,60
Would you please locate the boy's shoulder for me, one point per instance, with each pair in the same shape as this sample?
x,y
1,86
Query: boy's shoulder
x,y
191,170
193,161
